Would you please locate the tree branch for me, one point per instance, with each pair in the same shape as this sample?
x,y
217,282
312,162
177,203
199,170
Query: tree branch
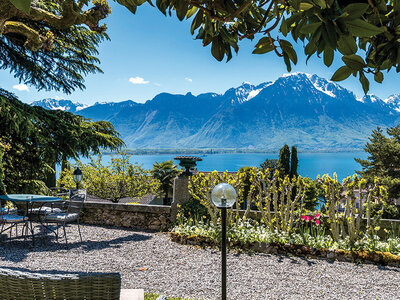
x,y
34,40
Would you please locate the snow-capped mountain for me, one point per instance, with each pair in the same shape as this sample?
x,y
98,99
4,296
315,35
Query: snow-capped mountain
x,y
54,104
299,109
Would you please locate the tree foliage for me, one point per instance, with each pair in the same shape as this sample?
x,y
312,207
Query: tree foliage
x,y
294,161
165,172
284,160
54,44
383,159
118,180
38,138
364,33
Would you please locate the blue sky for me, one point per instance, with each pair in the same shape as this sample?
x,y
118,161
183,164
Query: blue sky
x,y
150,53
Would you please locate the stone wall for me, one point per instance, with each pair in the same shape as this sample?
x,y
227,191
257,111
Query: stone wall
x,y
153,217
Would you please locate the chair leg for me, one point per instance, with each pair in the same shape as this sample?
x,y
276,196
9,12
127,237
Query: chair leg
x,y
65,234
2,228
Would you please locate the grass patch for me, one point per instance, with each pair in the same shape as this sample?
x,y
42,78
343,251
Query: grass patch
x,y
152,296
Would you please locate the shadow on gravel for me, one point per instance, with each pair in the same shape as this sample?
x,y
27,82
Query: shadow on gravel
x,y
18,250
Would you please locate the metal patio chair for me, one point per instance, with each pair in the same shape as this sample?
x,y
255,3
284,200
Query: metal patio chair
x,y
9,219
70,215
52,207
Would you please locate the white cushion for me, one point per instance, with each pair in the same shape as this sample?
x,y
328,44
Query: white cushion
x,y
12,218
46,210
61,217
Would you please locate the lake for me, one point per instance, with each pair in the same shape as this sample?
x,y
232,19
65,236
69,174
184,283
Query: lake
x,y
310,164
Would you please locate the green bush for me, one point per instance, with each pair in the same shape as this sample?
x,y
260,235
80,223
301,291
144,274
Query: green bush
x,y
118,180
389,212
193,209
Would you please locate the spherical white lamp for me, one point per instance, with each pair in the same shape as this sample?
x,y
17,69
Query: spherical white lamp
x,y
223,195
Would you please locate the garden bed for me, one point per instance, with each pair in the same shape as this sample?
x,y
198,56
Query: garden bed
x,y
376,257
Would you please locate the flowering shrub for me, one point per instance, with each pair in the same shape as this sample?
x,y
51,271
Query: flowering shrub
x,y
279,200
348,222
282,216
118,180
246,232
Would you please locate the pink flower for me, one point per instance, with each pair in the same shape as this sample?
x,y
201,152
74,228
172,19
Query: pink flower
x,y
317,222
317,216
312,218
308,219
303,217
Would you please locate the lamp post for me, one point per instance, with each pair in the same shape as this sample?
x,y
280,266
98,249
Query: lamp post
x,y
223,196
77,176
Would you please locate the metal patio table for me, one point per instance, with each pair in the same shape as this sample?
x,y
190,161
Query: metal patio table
x,y
30,200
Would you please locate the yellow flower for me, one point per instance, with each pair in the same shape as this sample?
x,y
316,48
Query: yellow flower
x,y
377,228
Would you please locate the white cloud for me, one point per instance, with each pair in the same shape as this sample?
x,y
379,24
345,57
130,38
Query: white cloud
x,y
21,87
188,79
138,80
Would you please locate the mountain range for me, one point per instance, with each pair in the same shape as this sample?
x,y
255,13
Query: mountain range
x,y
297,109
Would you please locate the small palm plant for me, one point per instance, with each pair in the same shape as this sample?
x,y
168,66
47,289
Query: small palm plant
x,y
165,172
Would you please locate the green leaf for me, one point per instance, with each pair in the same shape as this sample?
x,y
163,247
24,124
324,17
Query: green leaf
x,y
181,9
361,28
191,12
284,28
198,19
23,5
310,48
263,41
288,49
356,10
305,6
287,62
378,77
328,56
263,48
347,44
161,5
364,82
217,49
354,62
341,74
320,3
131,5
331,36
310,28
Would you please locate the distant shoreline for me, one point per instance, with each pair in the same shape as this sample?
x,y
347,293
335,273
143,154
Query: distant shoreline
x,y
222,151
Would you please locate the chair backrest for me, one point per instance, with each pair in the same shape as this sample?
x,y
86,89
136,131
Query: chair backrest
x,y
23,285
76,201
58,191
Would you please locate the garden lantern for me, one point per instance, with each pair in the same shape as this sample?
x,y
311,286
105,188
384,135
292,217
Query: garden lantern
x,y
77,176
223,196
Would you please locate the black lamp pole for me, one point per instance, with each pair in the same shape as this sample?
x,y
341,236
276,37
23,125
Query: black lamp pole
x,y
223,252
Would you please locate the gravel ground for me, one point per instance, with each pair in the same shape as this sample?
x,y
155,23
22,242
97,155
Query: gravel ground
x,y
151,261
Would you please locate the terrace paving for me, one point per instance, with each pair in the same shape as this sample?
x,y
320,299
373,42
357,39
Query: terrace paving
x,y
151,261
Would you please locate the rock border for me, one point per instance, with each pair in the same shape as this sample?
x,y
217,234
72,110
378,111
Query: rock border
x,y
379,258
